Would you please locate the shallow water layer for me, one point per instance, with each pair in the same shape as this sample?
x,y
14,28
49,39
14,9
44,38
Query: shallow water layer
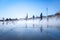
x,y
30,30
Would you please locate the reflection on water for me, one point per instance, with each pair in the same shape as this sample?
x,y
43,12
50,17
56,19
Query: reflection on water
x,y
41,28
33,25
26,25
29,30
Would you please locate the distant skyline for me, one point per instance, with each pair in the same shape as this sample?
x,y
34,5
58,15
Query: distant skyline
x,y
20,8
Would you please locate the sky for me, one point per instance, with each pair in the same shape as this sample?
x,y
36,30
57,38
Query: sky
x,y
20,8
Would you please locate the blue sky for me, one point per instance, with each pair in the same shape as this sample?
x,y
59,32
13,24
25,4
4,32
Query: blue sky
x,y
19,8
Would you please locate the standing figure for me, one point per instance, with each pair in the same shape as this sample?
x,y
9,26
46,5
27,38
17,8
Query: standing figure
x,y
41,16
3,21
26,17
33,17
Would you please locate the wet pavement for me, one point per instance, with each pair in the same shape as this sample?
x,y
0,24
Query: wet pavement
x,y
24,30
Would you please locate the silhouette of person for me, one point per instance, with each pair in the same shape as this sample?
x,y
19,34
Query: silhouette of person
x,y
3,21
26,17
41,16
33,17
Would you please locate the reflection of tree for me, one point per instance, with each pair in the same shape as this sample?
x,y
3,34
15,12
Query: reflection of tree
x,y
13,22
7,22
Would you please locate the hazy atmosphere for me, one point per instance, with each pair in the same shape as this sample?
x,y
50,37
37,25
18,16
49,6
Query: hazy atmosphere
x,y
19,8
29,20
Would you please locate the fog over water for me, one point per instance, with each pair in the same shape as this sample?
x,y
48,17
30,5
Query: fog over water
x,y
31,29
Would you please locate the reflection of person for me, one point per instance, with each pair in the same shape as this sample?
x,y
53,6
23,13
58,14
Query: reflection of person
x,y
26,25
3,23
33,25
41,29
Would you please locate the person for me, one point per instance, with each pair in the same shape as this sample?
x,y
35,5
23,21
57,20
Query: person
x,y
3,19
26,17
41,16
33,17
